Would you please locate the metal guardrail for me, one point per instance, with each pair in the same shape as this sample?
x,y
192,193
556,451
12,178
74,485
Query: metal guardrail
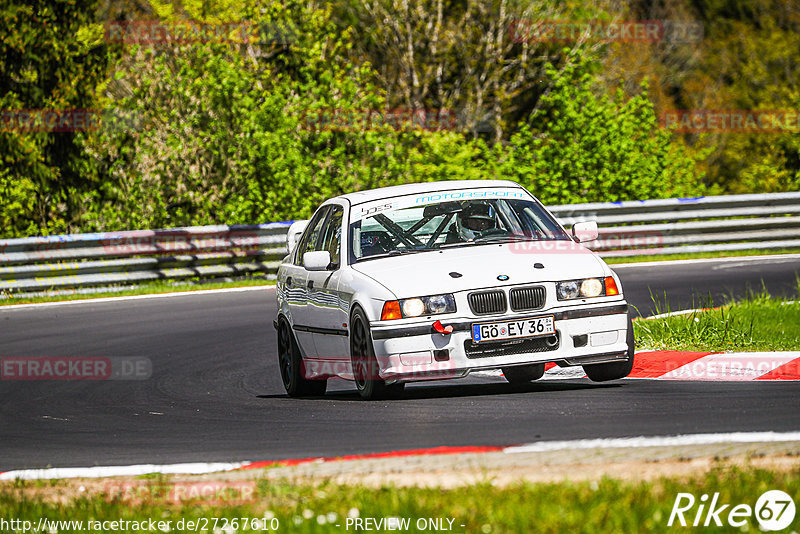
x,y
689,225
102,259
632,228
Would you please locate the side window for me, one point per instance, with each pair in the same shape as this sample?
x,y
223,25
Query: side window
x,y
332,239
311,235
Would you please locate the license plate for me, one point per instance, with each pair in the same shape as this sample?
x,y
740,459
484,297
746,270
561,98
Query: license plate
x,y
514,329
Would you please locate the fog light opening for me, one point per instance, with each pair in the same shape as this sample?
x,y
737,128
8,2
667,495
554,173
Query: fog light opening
x,y
441,355
551,341
580,340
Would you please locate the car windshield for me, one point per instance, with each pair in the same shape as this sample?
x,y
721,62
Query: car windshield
x,y
451,224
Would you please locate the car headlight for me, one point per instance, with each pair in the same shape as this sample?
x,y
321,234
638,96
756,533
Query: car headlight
x,y
568,290
586,288
592,287
418,306
412,307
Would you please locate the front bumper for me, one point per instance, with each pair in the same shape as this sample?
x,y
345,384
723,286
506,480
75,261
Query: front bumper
x,y
585,335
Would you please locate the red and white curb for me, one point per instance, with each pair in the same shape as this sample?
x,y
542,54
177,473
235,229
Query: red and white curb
x,y
692,365
716,366
542,446
702,366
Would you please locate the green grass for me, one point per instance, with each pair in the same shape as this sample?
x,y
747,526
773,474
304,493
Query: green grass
x,y
699,255
758,322
148,288
608,505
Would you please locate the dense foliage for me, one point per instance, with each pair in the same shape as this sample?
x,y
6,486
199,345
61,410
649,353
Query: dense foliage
x,y
263,124
48,61
585,145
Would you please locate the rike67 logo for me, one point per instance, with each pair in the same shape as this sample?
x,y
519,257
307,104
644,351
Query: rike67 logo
x,y
774,510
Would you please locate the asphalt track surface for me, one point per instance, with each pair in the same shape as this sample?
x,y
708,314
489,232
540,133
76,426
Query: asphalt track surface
x,y
215,393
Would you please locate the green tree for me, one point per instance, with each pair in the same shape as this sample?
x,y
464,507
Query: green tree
x,y
750,63
237,133
475,57
51,58
584,145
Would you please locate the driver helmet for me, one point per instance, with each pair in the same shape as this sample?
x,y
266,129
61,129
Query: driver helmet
x,y
475,219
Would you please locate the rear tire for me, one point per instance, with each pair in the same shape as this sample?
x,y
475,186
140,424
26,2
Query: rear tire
x,y
365,366
604,372
522,374
290,363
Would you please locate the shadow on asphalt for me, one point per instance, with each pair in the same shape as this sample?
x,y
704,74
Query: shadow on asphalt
x,y
465,390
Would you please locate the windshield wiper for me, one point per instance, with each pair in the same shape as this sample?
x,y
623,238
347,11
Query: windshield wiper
x,y
400,252
503,238
396,252
456,244
487,240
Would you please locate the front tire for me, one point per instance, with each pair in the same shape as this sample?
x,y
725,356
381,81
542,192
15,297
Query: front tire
x,y
522,374
603,372
290,363
365,366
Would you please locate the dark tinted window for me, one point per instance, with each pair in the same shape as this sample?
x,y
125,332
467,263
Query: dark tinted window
x,y
311,235
332,239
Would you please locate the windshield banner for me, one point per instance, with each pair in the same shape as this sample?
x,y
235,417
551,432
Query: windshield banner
x,y
369,209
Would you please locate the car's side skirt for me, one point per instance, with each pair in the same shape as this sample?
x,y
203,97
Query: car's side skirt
x,y
317,330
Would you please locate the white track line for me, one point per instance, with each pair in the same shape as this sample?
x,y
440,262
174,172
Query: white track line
x,y
656,441
699,310
679,312
137,297
769,258
120,470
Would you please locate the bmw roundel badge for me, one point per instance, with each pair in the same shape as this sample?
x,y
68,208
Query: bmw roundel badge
x,y
502,277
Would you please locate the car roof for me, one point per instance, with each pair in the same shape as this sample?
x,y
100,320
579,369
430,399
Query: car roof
x,y
360,197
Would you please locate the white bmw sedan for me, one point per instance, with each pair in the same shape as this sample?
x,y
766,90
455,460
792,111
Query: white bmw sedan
x,y
436,280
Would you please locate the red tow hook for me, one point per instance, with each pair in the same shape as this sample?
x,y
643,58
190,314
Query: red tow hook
x,y
441,329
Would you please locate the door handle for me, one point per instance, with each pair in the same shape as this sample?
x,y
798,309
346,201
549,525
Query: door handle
x,y
310,284
288,281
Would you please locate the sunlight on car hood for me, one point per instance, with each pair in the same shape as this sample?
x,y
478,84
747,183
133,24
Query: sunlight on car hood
x,y
428,273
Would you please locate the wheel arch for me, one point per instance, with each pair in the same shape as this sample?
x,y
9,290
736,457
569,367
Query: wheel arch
x,y
371,306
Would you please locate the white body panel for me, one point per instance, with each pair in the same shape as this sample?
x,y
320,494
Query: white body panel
x,y
479,267
589,330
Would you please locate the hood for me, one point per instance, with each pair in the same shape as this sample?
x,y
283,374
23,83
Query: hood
x,y
428,273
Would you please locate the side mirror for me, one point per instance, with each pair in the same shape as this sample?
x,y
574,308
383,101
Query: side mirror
x,y
295,232
585,231
318,260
